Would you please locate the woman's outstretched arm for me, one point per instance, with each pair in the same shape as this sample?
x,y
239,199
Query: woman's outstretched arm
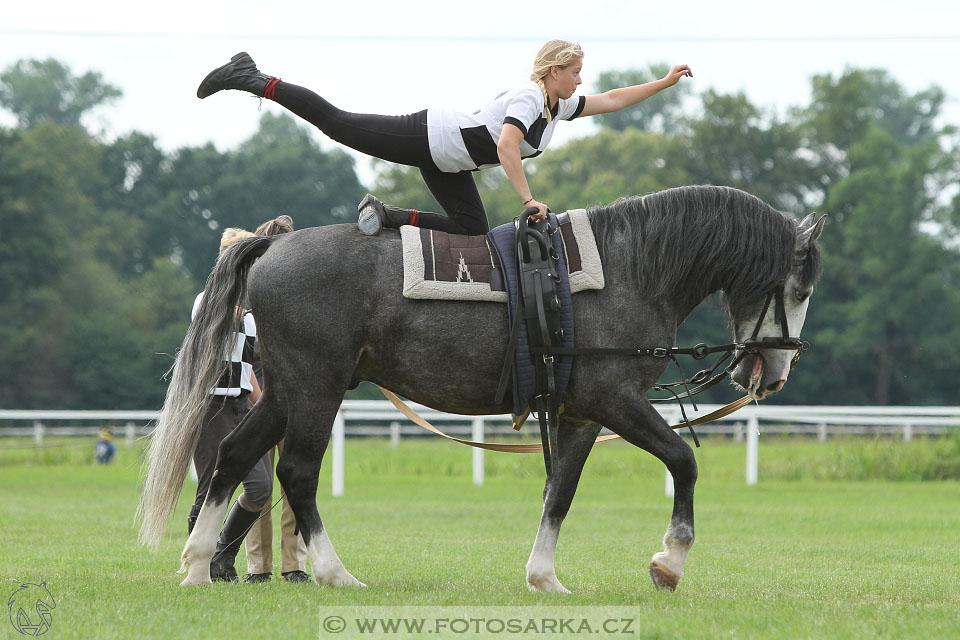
x,y
624,97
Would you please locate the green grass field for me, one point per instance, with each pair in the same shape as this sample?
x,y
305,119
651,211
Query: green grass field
x,y
800,555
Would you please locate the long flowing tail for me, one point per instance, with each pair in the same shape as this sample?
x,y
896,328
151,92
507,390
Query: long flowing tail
x,y
199,364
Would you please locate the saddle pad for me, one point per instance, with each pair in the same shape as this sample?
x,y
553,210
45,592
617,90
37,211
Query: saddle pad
x,y
580,251
442,266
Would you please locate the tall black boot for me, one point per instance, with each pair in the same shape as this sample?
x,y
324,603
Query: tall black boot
x,y
235,529
240,73
376,216
192,518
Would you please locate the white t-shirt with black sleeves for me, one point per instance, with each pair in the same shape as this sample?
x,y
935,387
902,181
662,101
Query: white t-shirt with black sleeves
x,y
462,141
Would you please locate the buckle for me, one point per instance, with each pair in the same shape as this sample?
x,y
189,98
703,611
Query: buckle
x,y
548,359
659,352
699,376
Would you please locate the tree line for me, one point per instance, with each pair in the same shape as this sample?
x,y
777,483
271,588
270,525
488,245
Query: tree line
x,y
103,244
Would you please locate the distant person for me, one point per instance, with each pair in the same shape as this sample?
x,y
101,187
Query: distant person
x,y
104,450
235,393
447,145
259,541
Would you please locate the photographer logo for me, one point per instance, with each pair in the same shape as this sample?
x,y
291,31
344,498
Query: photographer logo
x,y
30,609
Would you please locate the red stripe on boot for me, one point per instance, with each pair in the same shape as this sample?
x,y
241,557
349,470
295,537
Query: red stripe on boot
x,y
271,89
414,217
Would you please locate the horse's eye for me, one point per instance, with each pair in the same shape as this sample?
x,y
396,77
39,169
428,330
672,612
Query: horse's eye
x,y
802,295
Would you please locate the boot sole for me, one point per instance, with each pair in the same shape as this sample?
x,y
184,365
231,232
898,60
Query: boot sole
x,y
201,93
369,222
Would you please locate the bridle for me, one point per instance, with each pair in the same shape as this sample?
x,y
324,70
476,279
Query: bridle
x,y
706,378
784,340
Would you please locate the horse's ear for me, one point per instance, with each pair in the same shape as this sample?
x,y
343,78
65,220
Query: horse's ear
x,y
808,231
818,228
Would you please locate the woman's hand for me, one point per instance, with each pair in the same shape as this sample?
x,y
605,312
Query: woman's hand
x,y
539,206
676,72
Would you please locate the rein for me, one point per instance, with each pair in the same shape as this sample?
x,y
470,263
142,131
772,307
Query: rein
x,y
734,406
697,352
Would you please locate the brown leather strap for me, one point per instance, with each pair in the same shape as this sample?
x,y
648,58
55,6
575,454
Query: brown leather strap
x,y
536,447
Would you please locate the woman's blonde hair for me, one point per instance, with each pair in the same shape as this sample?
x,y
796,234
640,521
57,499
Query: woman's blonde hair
x,y
280,224
231,235
556,53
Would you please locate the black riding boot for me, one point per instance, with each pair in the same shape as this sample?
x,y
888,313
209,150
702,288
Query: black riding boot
x,y
376,216
240,73
192,518
234,530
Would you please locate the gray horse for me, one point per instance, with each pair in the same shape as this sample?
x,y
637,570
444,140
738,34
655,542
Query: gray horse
x,y
330,312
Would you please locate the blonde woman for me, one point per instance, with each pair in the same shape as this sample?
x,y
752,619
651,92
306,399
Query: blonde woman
x,y
448,145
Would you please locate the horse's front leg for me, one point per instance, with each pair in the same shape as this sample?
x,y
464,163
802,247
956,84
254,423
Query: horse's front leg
x,y
631,416
575,441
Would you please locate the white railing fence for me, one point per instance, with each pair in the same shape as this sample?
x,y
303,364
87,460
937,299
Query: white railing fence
x,y
365,418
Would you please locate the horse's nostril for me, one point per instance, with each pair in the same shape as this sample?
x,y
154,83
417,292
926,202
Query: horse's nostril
x,y
775,386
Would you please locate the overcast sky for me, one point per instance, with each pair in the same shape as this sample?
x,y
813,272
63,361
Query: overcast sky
x,y
397,57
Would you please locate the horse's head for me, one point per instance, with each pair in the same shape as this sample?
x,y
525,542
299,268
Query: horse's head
x,y
776,319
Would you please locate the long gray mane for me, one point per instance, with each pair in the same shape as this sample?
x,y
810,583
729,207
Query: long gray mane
x,y
699,239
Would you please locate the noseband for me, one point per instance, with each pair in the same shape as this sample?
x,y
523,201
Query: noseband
x,y
784,340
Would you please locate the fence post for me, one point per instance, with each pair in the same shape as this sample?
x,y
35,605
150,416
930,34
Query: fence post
x,y
738,432
478,452
822,432
394,434
668,484
131,434
337,462
907,432
753,437
38,433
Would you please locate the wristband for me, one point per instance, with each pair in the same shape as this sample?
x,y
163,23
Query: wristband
x,y
530,199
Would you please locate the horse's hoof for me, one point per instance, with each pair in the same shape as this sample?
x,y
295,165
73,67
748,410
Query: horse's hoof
x,y
546,585
343,580
662,577
350,581
189,582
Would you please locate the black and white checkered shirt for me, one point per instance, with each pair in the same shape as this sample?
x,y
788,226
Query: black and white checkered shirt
x,y
236,380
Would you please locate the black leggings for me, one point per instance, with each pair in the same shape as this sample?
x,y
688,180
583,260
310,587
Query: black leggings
x,y
400,139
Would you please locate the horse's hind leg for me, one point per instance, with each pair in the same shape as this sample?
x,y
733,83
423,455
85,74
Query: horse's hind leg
x,y
261,429
575,442
636,421
308,433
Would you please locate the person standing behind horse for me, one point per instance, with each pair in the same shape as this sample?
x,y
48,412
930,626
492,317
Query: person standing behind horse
x,y
259,542
237,390
448,145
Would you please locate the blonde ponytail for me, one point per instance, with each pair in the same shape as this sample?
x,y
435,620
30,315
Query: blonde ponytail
x,y
546,98
555,53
